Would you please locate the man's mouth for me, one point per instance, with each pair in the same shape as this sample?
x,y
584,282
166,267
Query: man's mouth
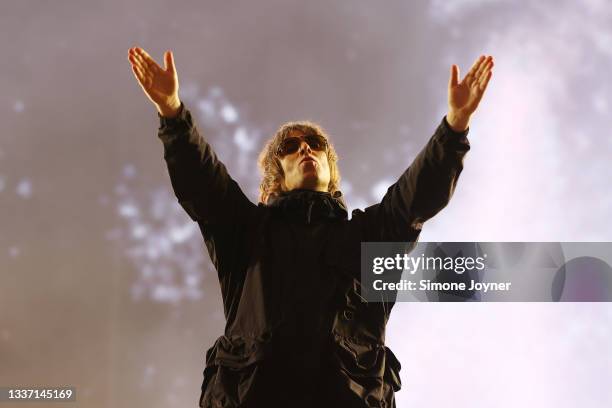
x,y
307,159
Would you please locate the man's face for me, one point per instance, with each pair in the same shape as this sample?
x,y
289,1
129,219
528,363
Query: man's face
x,y
305,168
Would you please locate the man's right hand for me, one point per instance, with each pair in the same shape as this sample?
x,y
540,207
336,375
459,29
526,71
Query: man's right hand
x,y
159,84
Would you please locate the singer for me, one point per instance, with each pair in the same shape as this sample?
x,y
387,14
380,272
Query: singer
x,y
297,333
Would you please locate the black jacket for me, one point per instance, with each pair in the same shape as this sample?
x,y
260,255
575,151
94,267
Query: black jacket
x,y
297,331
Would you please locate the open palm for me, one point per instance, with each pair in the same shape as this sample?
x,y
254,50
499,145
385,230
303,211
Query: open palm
x,y
159,84
465,95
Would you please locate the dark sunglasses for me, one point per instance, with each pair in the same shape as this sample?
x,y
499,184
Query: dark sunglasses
x,y
292,144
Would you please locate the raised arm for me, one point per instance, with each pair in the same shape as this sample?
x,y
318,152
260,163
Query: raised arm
x,y
427,185
200,181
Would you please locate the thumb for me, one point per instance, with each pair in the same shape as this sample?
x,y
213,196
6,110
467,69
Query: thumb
x,y
169,61
454,76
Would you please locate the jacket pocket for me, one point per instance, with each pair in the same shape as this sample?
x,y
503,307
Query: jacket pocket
x,y
231,373
370,371
360,359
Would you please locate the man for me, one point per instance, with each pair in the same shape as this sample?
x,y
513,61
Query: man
x,y
297,331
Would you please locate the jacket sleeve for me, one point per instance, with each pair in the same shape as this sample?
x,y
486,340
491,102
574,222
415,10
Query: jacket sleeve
x,y
200,181
211,197
422,191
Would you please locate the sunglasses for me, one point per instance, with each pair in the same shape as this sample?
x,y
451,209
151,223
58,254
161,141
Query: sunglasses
x,y
292,144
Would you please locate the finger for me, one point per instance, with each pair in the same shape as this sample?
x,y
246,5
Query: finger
x,y
474,68
142,62
147,58
486,66
169,62
140,54
482,75
139,73
485,82
483,67
454,76
139,76
137,62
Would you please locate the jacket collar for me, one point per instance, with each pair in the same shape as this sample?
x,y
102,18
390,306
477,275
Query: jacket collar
x,y
309,205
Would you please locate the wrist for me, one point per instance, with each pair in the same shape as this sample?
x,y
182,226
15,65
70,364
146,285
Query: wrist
x,y
457,121
170,109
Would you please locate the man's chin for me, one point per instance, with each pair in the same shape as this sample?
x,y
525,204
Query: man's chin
x,y
310,182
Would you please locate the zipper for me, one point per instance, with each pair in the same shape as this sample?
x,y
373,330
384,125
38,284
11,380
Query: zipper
x,y
310,210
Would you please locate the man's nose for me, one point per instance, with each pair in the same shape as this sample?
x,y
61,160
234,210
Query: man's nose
x,y
305,147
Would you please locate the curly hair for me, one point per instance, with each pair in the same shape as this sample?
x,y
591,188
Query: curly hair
x,y
270,166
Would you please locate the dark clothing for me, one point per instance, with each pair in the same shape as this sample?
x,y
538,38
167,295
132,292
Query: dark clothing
x,y
297,332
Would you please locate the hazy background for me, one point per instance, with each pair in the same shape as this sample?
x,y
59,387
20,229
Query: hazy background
x,y
104,280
